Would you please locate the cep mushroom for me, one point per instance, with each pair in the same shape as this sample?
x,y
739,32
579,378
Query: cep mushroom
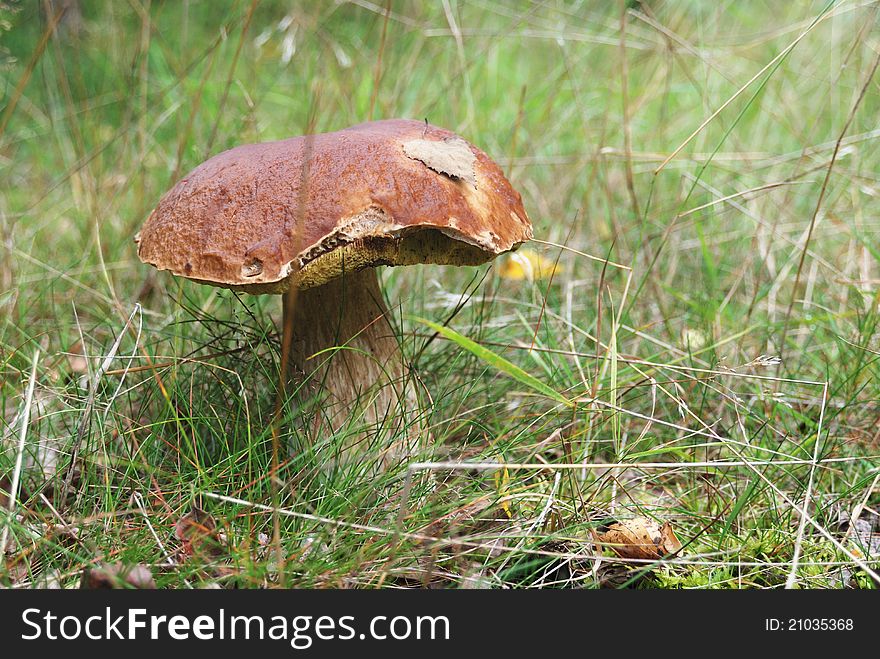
x,y
311,217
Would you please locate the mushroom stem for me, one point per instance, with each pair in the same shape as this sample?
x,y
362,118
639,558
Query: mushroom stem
x,y
361,381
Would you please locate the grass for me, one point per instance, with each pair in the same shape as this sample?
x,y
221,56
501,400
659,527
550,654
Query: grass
x,y
705,352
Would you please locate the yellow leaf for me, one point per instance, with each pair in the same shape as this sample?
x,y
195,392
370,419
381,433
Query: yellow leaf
x,y
526,264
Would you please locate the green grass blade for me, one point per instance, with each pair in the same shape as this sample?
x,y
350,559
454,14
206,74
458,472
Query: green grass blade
x,y
497,361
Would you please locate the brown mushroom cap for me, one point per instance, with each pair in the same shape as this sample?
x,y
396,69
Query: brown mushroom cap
x,y
393,192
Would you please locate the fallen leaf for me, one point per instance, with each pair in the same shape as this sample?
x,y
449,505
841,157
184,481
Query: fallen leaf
x,y
198,532
528,265
117,575
452,156
641,538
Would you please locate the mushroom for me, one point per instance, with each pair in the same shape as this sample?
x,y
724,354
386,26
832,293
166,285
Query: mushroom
x,y
310,218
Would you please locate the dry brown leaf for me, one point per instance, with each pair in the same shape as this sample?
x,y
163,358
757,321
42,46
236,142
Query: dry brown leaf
x,y
452,156
117,575
198,532
641,538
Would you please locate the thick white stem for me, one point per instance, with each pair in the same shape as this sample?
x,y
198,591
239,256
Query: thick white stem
x,y
347,353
